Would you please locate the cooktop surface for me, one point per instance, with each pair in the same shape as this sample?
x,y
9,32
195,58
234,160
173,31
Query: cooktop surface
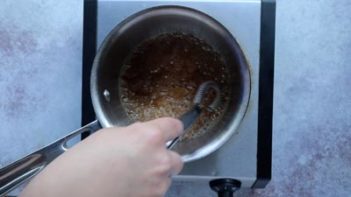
x,y
238,157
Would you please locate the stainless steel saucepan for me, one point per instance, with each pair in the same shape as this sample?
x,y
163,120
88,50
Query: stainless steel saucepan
x,y
105,93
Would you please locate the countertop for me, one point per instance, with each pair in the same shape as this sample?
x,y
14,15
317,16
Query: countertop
x,y
40,85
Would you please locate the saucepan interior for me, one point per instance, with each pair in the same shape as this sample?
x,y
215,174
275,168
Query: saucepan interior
x,y
149,23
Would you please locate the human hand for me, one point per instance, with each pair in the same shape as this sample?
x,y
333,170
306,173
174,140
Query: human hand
x,y
126,162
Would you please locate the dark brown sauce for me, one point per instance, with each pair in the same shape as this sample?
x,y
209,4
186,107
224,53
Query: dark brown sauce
x,y
161,76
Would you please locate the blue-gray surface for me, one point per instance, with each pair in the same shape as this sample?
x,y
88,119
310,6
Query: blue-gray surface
x,y
40,61
40,76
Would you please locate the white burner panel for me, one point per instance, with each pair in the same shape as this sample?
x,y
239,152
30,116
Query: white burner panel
x,y
237,158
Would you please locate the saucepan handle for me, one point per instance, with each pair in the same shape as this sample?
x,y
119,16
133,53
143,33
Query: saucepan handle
x,y
19,171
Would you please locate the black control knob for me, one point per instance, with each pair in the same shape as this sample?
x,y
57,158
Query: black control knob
x,y
225,187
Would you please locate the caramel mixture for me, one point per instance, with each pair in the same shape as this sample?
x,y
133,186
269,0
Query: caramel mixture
x,y
161,76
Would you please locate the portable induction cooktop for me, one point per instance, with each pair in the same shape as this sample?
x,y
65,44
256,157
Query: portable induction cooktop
x,y
245,159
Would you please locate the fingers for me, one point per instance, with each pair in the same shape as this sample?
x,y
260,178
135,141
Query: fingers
x,y
170,127
176,163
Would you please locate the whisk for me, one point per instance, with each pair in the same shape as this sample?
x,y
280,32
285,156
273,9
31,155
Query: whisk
x,y
189,117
